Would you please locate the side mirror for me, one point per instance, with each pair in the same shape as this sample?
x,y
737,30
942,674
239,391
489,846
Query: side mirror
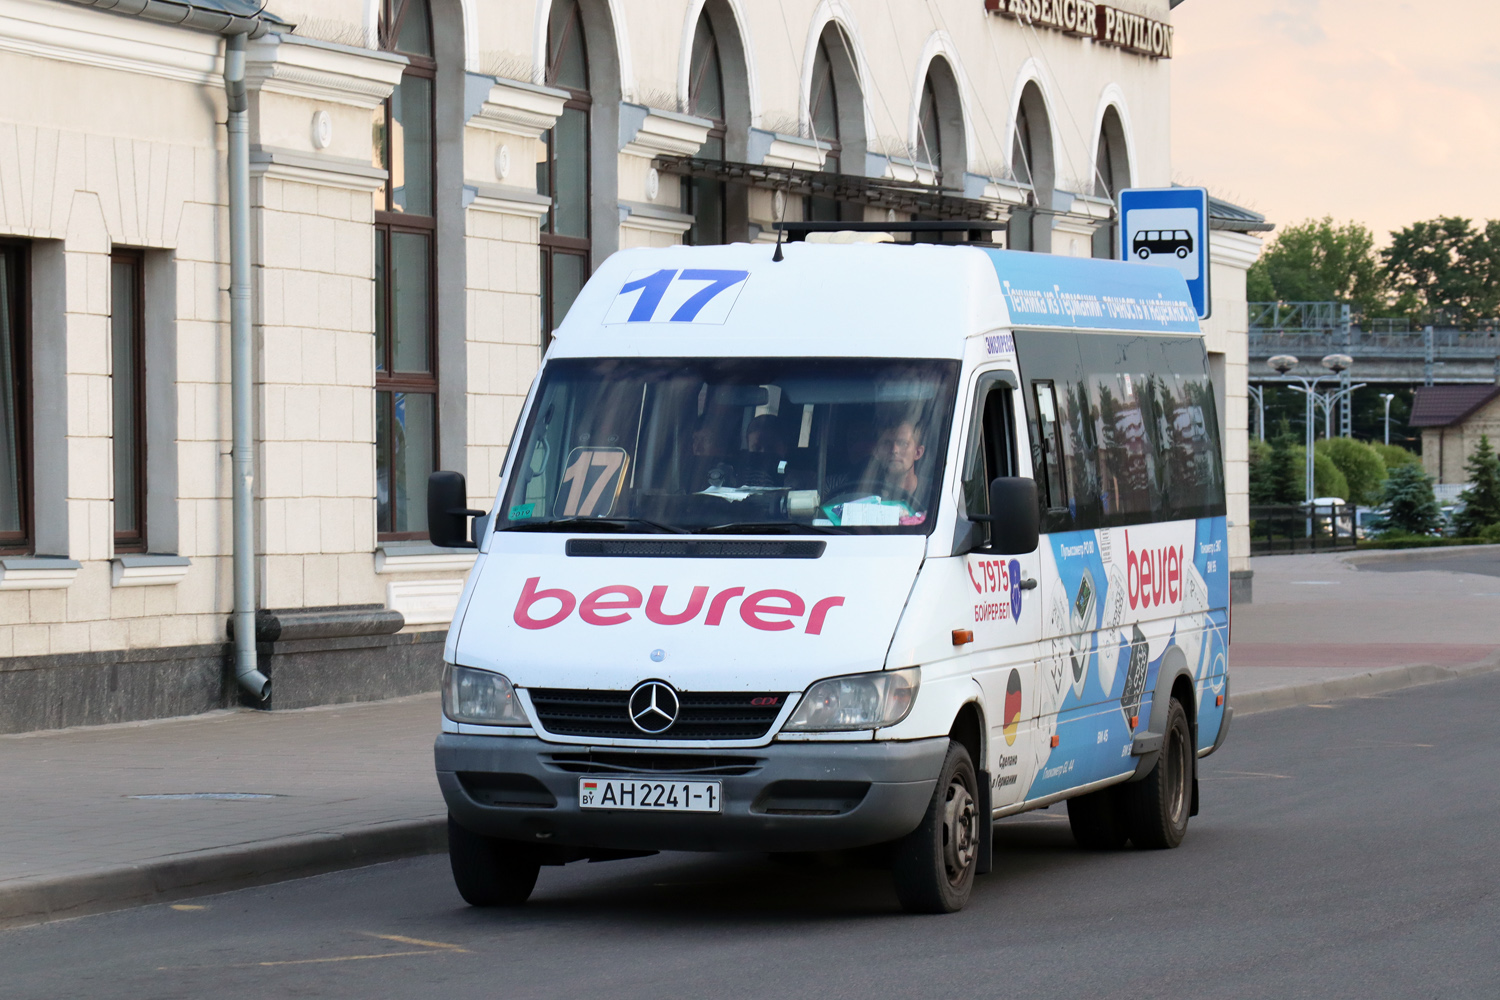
x,y
1015,517
448,512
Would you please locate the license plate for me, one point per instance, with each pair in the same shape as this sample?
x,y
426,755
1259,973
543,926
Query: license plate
x,y
645,794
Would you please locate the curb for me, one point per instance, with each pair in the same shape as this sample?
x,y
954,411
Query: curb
x,y
1413,555
32,901
1374,682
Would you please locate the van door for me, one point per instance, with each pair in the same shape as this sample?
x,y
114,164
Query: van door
x,y
1078,656
1006,615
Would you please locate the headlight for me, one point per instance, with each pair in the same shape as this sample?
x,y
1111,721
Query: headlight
x,y
860,701
481,697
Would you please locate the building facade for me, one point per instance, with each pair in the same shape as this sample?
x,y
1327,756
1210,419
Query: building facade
x,y
1452,419
431,182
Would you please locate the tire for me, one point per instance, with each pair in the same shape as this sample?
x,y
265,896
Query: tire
x,y
1161,802
1100,820
1182,252
489,871
934,865
1143,253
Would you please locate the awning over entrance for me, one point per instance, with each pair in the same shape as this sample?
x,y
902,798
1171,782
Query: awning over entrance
x,y
875,192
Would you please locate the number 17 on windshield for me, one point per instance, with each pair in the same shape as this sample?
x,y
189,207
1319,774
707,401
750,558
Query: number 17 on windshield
x,y
669,295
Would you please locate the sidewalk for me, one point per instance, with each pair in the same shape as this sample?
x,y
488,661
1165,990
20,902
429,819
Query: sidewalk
x,y
95,819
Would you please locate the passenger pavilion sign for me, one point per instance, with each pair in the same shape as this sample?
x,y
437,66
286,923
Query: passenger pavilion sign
x,y
1084,19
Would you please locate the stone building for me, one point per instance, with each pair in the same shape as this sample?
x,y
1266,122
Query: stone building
x,y
1452,419
429,184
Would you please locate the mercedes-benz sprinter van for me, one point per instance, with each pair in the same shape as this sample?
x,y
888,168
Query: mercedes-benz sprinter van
x,y
866,546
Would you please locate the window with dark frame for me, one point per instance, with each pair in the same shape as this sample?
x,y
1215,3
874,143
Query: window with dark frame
x,y
705,199
406,377
127,346
930,128
15,401
823,108
1052,483
564,173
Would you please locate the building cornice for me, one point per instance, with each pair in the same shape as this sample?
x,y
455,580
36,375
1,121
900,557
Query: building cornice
x,y
506,199
1233,249
652,132
512,107
315,168
774,149
63,32
322,71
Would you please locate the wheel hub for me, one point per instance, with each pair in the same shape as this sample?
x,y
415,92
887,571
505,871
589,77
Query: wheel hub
x,y
960,831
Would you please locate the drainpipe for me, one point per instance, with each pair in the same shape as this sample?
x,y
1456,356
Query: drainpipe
x,y
242,389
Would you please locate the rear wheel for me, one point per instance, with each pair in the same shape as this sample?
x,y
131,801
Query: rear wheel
x,y
1161,802
934,864
1100,820
489,871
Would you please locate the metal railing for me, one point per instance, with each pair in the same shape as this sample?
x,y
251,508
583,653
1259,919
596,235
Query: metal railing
x,y
1299,528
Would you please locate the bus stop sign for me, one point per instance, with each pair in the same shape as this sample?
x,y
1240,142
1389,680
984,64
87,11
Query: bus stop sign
x,y
1169,227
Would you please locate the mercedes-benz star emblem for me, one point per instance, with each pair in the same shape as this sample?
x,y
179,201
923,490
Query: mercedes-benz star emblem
x,y
653,707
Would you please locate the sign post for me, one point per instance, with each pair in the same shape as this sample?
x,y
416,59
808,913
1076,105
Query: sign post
x,y
1169,227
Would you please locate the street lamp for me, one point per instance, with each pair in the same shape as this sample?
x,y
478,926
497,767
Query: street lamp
x,y
1387,396
1336,365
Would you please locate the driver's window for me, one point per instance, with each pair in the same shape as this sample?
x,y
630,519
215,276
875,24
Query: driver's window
x,y
992,443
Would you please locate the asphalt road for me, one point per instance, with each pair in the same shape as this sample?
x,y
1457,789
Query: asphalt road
x,y
1342,851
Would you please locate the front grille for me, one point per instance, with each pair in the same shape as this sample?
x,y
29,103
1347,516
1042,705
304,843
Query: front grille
x,y
703,715
650,762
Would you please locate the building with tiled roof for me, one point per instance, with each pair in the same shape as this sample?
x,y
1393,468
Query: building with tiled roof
x,y
1452,419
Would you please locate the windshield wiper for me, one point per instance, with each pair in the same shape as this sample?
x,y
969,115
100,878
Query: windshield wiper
x,y
768,528
603,524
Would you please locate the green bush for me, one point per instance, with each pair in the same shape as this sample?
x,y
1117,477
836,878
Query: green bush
x,y
1409,504
1395,455
1328,481
1490,535
1362,466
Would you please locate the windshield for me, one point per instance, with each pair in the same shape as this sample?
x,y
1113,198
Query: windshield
x,y
752,445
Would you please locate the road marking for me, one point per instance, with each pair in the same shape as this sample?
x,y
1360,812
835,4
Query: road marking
x,y
1245,774
1317,706
418,941
187,906
427,948
1316,583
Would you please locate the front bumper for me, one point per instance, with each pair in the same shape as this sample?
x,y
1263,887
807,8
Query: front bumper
x,y
789,797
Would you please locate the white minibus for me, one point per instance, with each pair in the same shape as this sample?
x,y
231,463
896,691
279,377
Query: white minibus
x,y
864,547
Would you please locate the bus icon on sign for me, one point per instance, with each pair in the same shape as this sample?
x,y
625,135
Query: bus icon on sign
x,y
1147,243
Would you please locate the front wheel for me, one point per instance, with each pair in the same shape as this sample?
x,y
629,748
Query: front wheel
x,y
1161,802
489,871
934,864
1143,253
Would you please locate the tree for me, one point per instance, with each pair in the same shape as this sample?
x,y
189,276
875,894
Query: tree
x,y
1395,455
1362,466
1409,504
1318,261
1276,469
1482,498
1444,270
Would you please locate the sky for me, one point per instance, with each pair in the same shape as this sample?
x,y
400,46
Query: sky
x,y
1384,112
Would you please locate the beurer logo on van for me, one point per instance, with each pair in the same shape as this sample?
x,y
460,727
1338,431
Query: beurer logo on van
x,y
1153,576
769,610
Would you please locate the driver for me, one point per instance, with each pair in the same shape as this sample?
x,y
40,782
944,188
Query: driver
x,y
898,449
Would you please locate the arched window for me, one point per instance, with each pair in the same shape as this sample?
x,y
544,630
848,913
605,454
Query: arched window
x,y
835,108
1111,176
564,174
930,128
1032,164
940,125
406,386
705,199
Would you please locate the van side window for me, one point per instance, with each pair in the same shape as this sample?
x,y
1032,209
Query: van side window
x,y
1051,478
992,443
1134,434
